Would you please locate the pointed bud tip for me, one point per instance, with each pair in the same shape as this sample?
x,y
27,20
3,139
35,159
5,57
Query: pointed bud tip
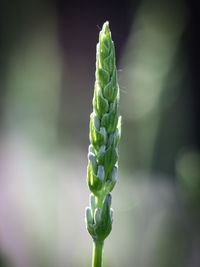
x,y
105,27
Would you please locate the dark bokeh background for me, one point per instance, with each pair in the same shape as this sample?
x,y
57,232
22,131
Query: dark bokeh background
x,y
47,66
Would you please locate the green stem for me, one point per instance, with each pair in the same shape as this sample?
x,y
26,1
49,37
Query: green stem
x,y
97,253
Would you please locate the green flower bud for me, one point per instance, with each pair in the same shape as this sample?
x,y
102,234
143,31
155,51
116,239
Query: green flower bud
x,y
94,182
100,103
99,222
89,221
102,219
110,183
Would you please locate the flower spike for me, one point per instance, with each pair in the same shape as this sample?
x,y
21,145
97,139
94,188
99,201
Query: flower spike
x,y
105,131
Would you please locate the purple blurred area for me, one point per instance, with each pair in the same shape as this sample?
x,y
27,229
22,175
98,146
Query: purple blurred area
x,y
47,73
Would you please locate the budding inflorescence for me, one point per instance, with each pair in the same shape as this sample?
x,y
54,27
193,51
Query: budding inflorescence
x,y
105,130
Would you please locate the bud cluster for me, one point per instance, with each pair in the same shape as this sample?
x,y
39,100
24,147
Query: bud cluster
x,y
105,130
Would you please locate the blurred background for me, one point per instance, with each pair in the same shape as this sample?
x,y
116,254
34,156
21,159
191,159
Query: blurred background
x,y
47,66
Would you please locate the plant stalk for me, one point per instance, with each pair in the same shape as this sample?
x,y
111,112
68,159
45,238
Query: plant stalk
x,y
97,253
